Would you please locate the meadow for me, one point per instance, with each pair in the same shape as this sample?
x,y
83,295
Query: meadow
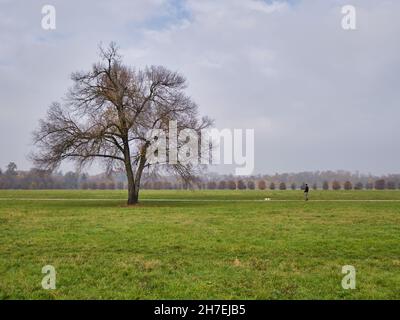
x,y
200,244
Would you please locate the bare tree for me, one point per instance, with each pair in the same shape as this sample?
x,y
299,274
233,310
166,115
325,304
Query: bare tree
x,y
11,169
107,115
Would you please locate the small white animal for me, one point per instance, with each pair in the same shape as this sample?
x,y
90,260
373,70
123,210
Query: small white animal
x,y
267,199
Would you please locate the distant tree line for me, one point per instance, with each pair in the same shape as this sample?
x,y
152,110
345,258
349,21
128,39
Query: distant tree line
x,y
12,178
379,184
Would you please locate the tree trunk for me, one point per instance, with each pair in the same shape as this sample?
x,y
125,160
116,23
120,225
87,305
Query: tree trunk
x,y
133,194
138,176
134,179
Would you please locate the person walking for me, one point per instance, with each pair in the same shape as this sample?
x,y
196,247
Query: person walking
x,y
306,189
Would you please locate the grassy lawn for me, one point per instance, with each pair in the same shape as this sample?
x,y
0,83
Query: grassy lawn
x,y
176,249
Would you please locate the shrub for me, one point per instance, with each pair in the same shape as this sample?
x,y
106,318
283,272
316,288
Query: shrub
x,y
211,185
251,185
380,184
369,186
336,185
111,185
315,186
232,185
359,186
391,185
272,186
222,185
261,185
241,185
347,185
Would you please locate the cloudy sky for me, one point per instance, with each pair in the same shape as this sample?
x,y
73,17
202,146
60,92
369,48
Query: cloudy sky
x,y
318,96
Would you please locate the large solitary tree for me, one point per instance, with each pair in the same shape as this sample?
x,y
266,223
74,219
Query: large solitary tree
x,y
107,115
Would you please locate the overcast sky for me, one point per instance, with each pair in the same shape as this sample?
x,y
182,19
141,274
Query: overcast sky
x,y
319,97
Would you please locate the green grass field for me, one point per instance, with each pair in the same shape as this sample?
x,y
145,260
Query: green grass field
x,y
200,245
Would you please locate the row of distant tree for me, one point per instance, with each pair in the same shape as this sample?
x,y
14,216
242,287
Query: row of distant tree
x,y
240,184
12,178
379,184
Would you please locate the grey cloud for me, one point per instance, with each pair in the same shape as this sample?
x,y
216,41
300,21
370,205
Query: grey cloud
x,y
317,96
